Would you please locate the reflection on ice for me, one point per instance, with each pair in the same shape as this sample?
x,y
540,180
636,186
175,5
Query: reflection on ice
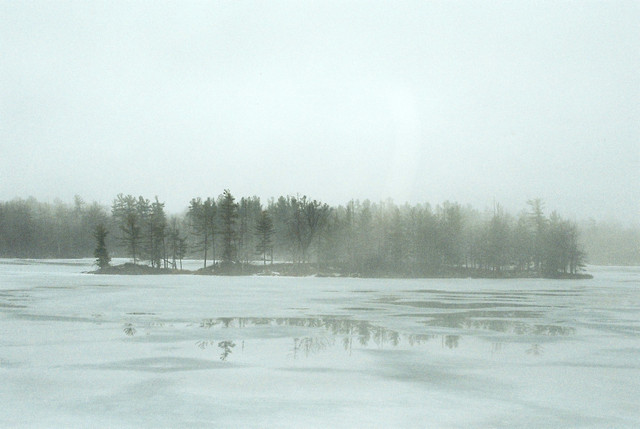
x,y
226,347
129,329
518,327
451,341
310,345
312,335
321,333
361,332
535,349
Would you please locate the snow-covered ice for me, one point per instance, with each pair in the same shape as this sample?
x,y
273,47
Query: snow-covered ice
x,y
80,350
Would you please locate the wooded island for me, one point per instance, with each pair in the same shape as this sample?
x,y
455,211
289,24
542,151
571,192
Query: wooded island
x,y
296,235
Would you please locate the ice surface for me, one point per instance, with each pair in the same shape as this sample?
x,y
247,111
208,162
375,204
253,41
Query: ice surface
x,y
80,350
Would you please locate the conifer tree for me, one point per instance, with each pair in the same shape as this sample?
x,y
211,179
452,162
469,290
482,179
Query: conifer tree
x,y
126,213
203,222
157,223
228,216
264,231
101,254
539,223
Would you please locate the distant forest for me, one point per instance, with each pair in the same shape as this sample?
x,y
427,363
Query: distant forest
x,y
360,238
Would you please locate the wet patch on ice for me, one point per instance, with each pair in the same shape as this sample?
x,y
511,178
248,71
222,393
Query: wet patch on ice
x,y
537,292
399,366
7,364
9,305
359,308
157,365
593,365
321,370
456,305
51,318
56,287
13,298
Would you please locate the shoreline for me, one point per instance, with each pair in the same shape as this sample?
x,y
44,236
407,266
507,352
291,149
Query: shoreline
x,y
306,270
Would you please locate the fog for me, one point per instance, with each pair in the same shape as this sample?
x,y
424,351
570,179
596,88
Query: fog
x,y
415,101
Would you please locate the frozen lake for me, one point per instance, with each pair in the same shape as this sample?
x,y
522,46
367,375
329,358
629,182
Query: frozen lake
x,y
79,350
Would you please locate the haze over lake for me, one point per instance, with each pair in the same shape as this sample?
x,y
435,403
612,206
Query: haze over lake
x,y
415,101
339,214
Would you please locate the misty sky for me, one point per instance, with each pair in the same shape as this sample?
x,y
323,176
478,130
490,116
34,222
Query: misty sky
x,y
418,101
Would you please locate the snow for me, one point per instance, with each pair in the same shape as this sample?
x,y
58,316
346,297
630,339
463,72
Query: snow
x,y
80,350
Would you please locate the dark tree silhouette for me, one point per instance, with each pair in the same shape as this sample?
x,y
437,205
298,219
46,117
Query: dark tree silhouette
x,y
127,214
228,216
203,223
156,226
101,254
264,231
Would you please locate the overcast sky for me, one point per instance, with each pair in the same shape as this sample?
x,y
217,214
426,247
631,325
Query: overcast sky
x,y
418,101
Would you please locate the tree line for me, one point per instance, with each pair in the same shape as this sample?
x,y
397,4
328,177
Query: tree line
x,y
358,238
609,243
33,229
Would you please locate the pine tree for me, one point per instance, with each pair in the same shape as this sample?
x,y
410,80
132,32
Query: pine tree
x,y
306,218
228,216
249,212
125,211
264,231
101,254
497,238
203,223
540,224
143,210
157,223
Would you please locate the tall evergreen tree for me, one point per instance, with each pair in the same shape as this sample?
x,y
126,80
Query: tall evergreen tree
x,y
450,233
127,214
173,240
176,243
100,253
497,241
522,244
577,256
156,230
249,213
228,217
306,218
539,225
203,223
210,211
143,208
316,215
264,230
280,212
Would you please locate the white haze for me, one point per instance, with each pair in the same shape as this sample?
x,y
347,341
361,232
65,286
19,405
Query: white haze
x,y
417,101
